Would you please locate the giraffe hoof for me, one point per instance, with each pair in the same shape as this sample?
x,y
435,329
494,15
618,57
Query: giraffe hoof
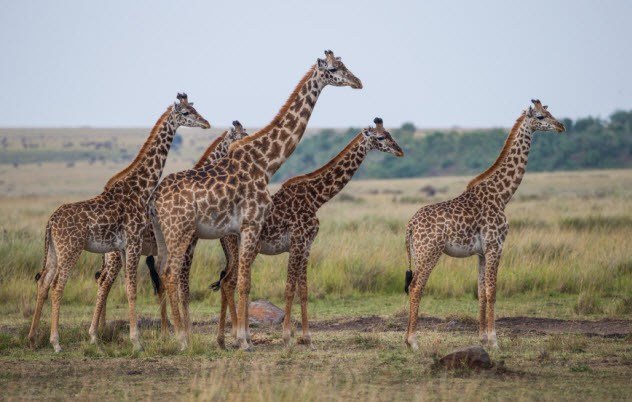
x,y
32,341
221,342
244,345
307,341
57,348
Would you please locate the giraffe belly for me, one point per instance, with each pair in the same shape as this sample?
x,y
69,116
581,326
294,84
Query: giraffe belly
x,y
102,246
459,250
274,247
211,231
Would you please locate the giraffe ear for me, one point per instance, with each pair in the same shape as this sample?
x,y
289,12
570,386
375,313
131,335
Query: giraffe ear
x,y
322,64
545,106
530,111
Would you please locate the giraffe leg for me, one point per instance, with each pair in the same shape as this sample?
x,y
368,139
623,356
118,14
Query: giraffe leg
x,y
171,286
247,253
482,300
231,286
43,286
290,289
159,291
175,261
161,268
424,266
231,248
162,301
492,258
102,319
130,260
302,291
109,271
65,263
183,285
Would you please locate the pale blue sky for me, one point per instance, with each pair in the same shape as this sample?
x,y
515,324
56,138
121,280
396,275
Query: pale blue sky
x,y
435,63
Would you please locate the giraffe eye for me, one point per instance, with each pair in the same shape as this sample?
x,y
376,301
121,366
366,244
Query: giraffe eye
x,y
381,137
332,70
540,117
185,113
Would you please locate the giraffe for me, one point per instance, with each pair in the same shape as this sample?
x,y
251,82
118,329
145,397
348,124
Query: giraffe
x,y
473,223
112,261
231,196
291,224
111,221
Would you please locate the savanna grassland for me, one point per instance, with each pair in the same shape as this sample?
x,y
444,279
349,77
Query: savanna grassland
x,y
564,302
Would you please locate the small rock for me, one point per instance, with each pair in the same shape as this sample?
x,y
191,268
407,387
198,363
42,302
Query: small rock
x,y
263,312
473,357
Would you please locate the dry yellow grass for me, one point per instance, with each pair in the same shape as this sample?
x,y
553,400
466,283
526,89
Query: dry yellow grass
x,y
570,233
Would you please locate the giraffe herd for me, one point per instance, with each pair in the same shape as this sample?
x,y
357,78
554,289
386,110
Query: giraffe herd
x,y
225,196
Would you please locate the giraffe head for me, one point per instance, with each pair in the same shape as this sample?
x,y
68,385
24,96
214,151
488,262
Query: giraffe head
x,y
378,138
236,133
540,119
334,72
185,114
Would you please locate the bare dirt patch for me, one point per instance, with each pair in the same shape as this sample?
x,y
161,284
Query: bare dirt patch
x,y
609,328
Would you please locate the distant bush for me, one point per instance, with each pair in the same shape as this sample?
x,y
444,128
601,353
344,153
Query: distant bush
x,y
589,144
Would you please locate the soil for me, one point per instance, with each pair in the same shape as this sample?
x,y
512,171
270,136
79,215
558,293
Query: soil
x,y
607,328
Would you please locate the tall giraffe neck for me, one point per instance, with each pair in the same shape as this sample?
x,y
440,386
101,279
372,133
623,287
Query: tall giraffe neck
x,y
217,150
272,145
144,172
506,174
326,182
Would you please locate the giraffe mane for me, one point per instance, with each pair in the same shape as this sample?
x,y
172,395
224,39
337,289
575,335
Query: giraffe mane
x,y
211,148
327,166
143,150
503,154
279,115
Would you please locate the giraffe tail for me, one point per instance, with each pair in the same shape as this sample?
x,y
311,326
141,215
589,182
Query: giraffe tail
x,y
409,272
153,274
215,286
46,248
